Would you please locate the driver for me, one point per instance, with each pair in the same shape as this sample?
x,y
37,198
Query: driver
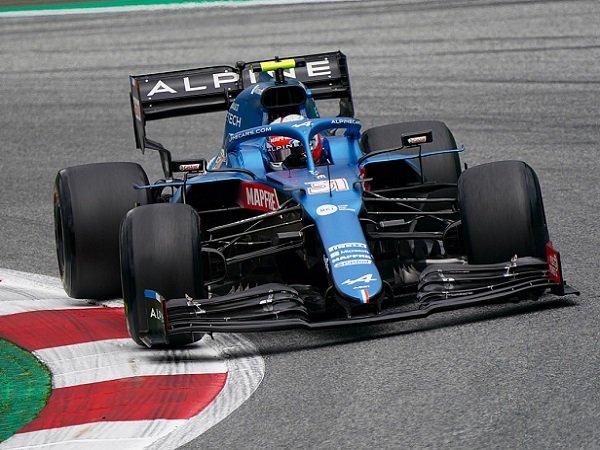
x,y
288,153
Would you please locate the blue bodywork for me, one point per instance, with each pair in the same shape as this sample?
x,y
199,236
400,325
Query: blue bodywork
x,y
357,232
330,194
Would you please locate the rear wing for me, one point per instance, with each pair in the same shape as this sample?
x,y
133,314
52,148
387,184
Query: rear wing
x,y
208,89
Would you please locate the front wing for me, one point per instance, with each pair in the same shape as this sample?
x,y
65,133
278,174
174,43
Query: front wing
x,y
275,307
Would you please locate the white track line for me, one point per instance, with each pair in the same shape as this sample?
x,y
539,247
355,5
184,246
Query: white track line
x,y
236,391
98,436
114,359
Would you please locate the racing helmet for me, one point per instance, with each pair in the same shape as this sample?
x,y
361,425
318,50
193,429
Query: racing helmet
x,y
290,152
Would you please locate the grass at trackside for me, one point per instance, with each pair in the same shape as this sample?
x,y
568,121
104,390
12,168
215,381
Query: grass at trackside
x,y
38,5
25,386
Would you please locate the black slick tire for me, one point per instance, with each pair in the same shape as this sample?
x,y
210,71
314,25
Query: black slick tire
x,y
502,212
443,168
160,251
90,201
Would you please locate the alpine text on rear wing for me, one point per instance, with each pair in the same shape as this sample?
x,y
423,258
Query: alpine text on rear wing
x,y
208,89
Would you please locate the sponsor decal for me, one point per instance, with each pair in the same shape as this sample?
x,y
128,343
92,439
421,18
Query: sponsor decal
x,y
554,268
345,208
349,254
219,79
367,278
234,119
190,167
282,142
417,140
314,69
156,314
318,68
213,80
347,245
252,132
325,210
188,88
344,122
353,262
258,196
322,187
160,88
308,123
193,84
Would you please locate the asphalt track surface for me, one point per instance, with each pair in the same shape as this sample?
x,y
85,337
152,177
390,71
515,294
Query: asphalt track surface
x,y
512,79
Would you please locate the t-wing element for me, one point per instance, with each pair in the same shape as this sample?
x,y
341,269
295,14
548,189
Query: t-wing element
x,y
278,66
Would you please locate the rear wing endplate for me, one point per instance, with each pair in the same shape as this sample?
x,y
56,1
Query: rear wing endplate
x,y
208,89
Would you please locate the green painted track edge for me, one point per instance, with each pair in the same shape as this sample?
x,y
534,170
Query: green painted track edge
x,y
25,386
108,4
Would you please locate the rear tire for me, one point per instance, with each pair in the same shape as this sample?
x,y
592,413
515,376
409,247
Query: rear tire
x,y
502,212
90,201
160,250
443,168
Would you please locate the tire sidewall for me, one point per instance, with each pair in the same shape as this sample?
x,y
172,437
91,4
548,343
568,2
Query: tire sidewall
x,y
502,212
160,250
90,202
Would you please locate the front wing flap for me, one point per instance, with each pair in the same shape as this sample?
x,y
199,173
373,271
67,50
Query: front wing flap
x,y
273,307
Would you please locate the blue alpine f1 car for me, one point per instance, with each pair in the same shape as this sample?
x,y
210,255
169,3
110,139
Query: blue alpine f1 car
x,y
299,221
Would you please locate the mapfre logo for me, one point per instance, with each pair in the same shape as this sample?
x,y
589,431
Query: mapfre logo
x,y
258,196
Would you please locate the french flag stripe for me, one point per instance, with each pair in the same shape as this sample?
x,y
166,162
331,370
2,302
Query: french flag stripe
x,y
151,294
364,294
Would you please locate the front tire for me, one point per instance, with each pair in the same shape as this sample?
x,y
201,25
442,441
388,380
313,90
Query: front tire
x,y
160,250
443,168
90,201
502,212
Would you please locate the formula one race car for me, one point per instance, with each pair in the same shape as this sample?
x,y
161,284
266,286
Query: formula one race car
x,y
299,221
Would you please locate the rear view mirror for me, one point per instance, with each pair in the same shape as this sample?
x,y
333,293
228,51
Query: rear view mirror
x,y
422,137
